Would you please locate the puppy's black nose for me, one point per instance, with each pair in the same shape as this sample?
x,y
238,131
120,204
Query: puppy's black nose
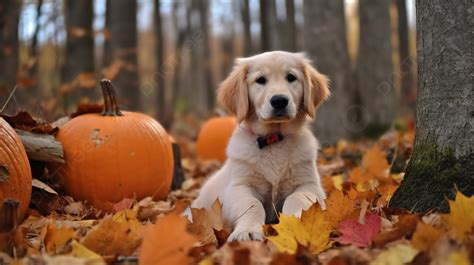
x,y
279,102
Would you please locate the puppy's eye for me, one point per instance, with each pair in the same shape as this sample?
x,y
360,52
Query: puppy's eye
x,y
261,80
291,78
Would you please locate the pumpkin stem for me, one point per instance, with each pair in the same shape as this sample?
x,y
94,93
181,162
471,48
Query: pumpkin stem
x,y
110,99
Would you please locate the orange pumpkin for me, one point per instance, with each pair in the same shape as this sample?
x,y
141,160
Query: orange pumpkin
x,y
115,155
214,136
15,171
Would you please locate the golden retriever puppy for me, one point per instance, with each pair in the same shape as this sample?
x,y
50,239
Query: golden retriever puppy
x,y
271,165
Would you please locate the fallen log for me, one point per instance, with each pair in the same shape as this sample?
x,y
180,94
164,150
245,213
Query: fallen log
x,y
41,147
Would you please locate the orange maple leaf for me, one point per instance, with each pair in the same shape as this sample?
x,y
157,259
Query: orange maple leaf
x,y
167,242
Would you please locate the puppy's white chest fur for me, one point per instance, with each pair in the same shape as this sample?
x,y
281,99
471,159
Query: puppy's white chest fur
x,y
274,167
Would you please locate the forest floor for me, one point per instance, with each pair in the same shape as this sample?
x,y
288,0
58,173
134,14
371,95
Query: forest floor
x,y
358,227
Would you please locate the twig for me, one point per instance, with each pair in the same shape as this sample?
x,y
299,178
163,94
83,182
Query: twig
x,y
8,99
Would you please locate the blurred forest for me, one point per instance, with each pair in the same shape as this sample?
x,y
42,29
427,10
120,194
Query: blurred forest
x,y
167,57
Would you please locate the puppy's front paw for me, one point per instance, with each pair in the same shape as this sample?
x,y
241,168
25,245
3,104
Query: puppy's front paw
x,y
247,233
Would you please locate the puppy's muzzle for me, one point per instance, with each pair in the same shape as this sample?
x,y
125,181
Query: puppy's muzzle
x,y
279,104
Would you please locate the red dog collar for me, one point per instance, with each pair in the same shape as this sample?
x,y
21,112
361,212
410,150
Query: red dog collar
x,y
265,140
269,139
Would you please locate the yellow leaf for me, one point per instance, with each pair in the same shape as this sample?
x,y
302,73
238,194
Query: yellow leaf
x,y
117,234
167,242
425,236
397,255
317,228
459,258
338,181
460,220
56,237
311,231
80,251
339,208
290,232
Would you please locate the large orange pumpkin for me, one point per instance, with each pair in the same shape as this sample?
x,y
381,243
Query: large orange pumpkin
x,y
15,171
214,136
115,155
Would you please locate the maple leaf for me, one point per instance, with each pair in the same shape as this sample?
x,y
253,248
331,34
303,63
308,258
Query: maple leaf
x,y
311,231
206,221
117,234
375,163
339,208
80,251
56,237
167,242
460,220
395,255
425,236
357,234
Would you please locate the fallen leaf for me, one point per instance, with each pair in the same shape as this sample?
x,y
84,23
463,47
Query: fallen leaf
x,y
338,208
357,234
167,242
206,221
312,231
375,163
425,236
80,251
43,186
57,237
460,220
404,227
115,235
124,204
397,255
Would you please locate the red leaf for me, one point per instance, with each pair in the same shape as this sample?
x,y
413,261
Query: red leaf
x,y
359,235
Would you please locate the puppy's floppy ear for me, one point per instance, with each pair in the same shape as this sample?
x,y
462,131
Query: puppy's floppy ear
x,y
233,92
316,88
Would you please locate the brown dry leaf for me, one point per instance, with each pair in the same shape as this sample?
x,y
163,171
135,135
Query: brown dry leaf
x,y
56,237
425,236
339,208
405,226
167,242
206,221
115,235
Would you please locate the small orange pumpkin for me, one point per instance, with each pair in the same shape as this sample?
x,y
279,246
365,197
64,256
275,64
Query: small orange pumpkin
x,y
115,155
214,136
15,171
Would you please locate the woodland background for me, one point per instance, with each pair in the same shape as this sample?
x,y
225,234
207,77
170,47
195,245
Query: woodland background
x,y
168,57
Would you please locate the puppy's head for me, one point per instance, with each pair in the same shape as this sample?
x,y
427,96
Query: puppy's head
x,y
274,87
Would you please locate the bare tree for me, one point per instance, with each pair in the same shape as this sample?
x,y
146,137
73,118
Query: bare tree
x,y
246,22
374,66
206,54
9,19
123,43
160,68
290,34
443,156
78,68
268,22
407,80
107,53
326,42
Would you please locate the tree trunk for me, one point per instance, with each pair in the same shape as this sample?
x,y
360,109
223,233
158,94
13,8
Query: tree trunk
x,y
160,66
176,91
107,53
443,155
123,43
406,75
78,69
268,20
374,66
326,42
246,22
206,54
9,19
290,38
